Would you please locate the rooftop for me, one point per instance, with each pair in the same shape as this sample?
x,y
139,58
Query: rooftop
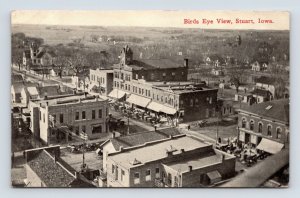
x,y
50,172
265,80
156,150
275,109
197,162
143,137
148,64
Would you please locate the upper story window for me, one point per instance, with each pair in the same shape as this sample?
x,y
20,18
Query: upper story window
x,y
260,127
244,123
93,114
83,115
122,174
269,130
77,115
278,133
191,102
61,118
251,125
157,173
100,113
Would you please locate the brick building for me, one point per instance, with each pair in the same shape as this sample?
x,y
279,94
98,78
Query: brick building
x,y
169,162
265,125
81,114
162,88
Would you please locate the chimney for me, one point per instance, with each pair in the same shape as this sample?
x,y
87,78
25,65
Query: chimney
x,y
190,168
113,135
85,94
47,103
74,91
186,62
121,148
182,150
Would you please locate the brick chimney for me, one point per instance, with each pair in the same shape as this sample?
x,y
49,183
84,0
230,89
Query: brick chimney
x,y
190,168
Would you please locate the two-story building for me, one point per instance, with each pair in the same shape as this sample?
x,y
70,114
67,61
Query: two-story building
x,y
101,80
81,114
265,125
178,161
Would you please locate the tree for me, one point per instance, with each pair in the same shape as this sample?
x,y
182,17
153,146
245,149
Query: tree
x,y
61,62
78,62
236,76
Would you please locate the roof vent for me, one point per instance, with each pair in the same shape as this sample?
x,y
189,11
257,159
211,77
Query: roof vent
x,y
135,162
269,107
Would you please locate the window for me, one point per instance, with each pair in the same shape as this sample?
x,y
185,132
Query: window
x,y
77,115
93,114
251,125
173,73
175,181
157,173
259,127
136,76
122,174
269,131
278,133
112,169
191,102
76,130
100,113
97,129
244,123
83,115
139,90
54,118
136,179
128,87
61,118
44,117
148,175
40,115
83,129
169,179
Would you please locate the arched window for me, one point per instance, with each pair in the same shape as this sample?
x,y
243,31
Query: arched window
x,y
251,125
278,133
191,102
269,131
260,127
243,123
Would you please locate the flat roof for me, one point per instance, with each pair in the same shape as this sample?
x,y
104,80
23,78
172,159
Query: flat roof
x,y
197,162
156,151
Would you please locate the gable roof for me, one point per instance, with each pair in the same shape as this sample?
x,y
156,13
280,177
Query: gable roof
x,y
265,80
50,172
275,109
143,137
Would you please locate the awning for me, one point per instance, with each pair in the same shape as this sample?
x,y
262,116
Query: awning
x,y
138,100
269,146
117,93
161,108
214,176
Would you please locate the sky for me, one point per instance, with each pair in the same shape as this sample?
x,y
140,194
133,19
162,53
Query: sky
x,y
198,19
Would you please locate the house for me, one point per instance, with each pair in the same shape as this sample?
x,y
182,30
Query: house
x,y
214,60
259,66
226,107
265,125
53,118
266,83
116,143
45,168
261,95
17,78
217,72
177,161
15,91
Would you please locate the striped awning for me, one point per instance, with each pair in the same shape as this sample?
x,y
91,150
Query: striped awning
x,y
138,100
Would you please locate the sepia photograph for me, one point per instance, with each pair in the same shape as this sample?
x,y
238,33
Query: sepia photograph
x,y
150,99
